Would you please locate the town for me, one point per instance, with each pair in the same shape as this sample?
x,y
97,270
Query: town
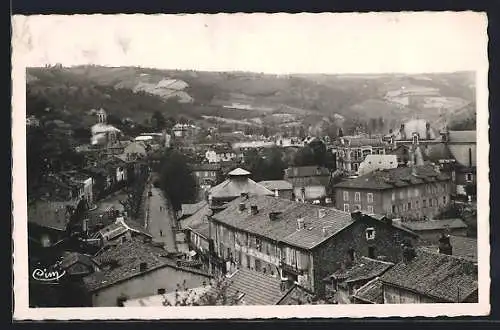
x,y
174,213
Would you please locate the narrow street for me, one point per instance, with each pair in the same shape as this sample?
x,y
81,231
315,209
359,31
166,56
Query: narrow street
x,y
160,220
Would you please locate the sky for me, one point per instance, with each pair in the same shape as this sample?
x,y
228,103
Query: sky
x,y
269,43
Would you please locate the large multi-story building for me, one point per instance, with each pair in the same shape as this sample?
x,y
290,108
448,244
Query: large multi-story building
x,y
298,242
351,151
407,192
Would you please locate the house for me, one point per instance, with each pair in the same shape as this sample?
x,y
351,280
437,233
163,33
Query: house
x,y
237,183
309,182
84,181
249,145
191,296
413,192
344,283
281,188
184,130
77,265
370,293
48,222
121,230
298,241
220,154
134,269
207,174
462,145
460,246
428,277
431,230
188,210
351,151
117,170
377,162
415,130
69,186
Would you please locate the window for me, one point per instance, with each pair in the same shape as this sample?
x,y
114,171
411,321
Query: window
x,y
370,233
401,194
397,238
248,261
357,196
416,192
468,177
258,266
346,207
369,197
453,176
430,202
357,207
424,203
394,209
346,195
393,196
258,244
417,204
444,199
409,193
409,206
370,209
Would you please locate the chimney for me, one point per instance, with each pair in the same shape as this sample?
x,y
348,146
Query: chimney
x,y
85,226
276,193
402,132
408,252
325,231
244,195
445,245
300,223
143,266
242,207
254,209
427,130
321,213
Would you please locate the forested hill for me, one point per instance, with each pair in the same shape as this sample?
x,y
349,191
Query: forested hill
x,y
252,98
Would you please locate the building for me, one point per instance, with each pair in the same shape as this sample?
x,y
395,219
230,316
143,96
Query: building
x,y
184,130
404,192
370,293
249,145
343,284
237,183
300,242
69,186
48,222
462,145
135,150
281,188
309,182
207,174
462,247
220,155
430,231
121,230
134,269
191,296
429,277
351,151
377,162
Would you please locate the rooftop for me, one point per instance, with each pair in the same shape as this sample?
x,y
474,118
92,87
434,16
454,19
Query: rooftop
x,y
462,247
239,172
306,171
124,261
257,288
190,209
434,224
394,178
192,295
364,269
197,218
442,277
284,228
372,292
48,214
231,188
276,184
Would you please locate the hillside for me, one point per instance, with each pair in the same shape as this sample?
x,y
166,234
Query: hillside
x,y
253,98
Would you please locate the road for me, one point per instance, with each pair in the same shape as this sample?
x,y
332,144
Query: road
x,y
160,220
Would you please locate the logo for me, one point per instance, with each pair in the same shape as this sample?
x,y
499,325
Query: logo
x,y
50,274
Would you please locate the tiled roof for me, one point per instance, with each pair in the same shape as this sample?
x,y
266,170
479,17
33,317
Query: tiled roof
x,y
197,218
202,229
306,171
190,209
128,256
364,269
276,184
71,258
48,214
285,228
361,142
394,178
437,152
309,181
258,288
136,227
462,247
434,224
374,162
462,136
206,167
371,292
235,187
435,275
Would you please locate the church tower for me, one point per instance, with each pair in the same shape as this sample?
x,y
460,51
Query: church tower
x,y
101,116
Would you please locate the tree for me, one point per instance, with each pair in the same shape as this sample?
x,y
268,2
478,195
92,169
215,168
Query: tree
x,y
114,120
176,179
319,152
158,121
217,294
304,157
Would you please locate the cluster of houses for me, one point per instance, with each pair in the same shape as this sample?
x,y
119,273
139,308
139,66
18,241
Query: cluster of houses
x,y
372,237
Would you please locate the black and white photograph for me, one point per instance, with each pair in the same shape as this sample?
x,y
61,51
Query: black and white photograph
x,y
213,166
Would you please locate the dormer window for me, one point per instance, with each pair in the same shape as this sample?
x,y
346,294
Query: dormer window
x,y
370,233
